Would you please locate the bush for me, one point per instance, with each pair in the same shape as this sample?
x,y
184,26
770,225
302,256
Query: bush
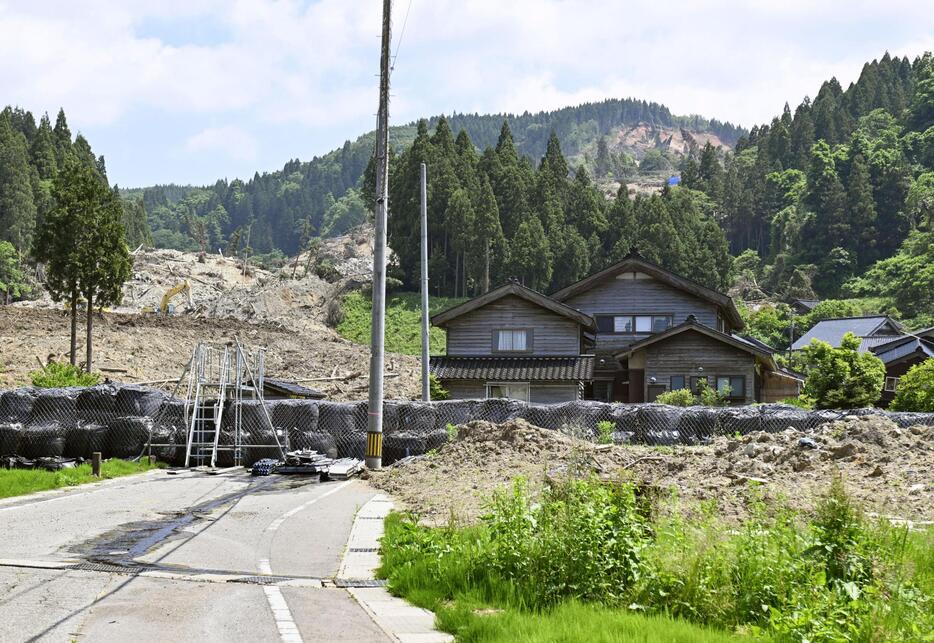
x,y
679,397
605,432
840,378
61,375
437,391
915,390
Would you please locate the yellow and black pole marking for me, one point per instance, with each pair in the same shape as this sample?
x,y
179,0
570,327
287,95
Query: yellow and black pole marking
x,y
374,446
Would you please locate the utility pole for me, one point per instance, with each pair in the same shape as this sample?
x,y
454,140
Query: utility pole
x,y
426,389
374,429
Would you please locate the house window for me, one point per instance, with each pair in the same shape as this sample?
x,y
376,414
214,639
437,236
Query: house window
x,y
512,340
622,324
891,383
509,390
677,382
630,324
603,390
732,386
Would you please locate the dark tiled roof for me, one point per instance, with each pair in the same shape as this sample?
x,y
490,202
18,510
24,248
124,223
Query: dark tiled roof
x,y
513,369
893,351
833,330
285,387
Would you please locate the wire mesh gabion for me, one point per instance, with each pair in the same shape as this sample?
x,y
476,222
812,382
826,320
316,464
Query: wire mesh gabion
x,y
130,421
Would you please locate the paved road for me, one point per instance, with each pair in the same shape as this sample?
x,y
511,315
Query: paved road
x,y
173,557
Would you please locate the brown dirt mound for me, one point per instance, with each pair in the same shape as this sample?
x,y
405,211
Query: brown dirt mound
x,y
888,470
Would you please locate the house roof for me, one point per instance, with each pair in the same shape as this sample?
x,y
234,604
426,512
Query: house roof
x,y
902,347
292,389
513,369
518,290
833,330
635,262
807,304
692,325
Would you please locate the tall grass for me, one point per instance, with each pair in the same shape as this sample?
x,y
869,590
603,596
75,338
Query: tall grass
x,y
403,321
18,482
833,576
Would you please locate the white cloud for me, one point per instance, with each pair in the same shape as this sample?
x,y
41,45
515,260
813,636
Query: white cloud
x,y
232,141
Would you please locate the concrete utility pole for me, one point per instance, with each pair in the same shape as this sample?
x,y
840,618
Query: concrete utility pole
x,y
426,389
374,435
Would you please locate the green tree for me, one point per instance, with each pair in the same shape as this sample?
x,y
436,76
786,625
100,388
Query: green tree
x,y
460,220
12,280
530,255
841,378
915,390
487,233
17,207
861,210
43,150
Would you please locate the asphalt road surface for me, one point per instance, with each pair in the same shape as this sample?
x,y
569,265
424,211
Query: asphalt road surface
x,y
192,556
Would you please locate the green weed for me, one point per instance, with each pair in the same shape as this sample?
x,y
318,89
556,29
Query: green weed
x,y
18,482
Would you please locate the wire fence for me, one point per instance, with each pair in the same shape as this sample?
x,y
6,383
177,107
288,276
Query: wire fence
x,y
131,421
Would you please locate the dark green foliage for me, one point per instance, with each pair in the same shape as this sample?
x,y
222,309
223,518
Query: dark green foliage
x,y
842,377
60,375
13,283
915,390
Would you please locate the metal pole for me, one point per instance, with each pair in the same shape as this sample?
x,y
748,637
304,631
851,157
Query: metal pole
x,y
374,431
426,389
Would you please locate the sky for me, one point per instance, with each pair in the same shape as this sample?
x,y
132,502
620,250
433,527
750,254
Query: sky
x,y
189,91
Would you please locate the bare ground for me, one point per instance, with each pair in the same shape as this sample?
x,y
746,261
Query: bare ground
x,y
888,470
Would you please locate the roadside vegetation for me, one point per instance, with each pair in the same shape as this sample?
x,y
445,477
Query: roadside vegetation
x,y
403,321
19,482
589,559
62,374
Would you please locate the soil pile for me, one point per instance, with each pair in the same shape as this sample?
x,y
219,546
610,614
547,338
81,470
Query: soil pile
x,y
887,469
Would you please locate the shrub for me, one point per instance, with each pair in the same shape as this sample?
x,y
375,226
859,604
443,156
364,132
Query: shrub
x,y
842,377
708,396
679,397
915,390
605,432
435,389
802,402
60,374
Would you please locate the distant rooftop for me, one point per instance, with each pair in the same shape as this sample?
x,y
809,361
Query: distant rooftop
x,y
872,330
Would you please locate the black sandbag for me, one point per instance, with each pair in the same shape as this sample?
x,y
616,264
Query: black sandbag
x,y
351,445
905,419
342,418
54,405
76,441
9,438
778,417
392,411
698,421
436,439
262,443
138,401
739,419
15,406
314,440
253,416
96,399
454,411
585,415
497,410
658,421
170,429
282,413
42,440
402,445
625,417
419,418
623,437
307,415
663,438
546,416
126,437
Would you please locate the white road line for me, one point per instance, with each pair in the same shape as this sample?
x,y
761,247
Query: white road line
x,y
288,630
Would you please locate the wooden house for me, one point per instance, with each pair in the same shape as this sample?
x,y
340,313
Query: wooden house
x,y
627,333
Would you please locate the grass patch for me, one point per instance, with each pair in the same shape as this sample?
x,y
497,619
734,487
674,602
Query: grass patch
x,y
589,559
403,321
19,482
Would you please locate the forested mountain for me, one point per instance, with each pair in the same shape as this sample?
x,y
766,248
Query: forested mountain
x,y
322,197
818,196
30,156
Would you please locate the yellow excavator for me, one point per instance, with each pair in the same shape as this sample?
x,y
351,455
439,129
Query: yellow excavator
x,y
170,294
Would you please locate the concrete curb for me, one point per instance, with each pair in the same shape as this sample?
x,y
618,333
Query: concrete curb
x,y
400,621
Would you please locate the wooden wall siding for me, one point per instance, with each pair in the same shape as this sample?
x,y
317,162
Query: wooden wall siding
x,y
540,393
552,394
640,296
776,389
465,389
682,354
471,334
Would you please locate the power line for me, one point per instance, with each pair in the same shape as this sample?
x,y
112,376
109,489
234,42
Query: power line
x,y
405,21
